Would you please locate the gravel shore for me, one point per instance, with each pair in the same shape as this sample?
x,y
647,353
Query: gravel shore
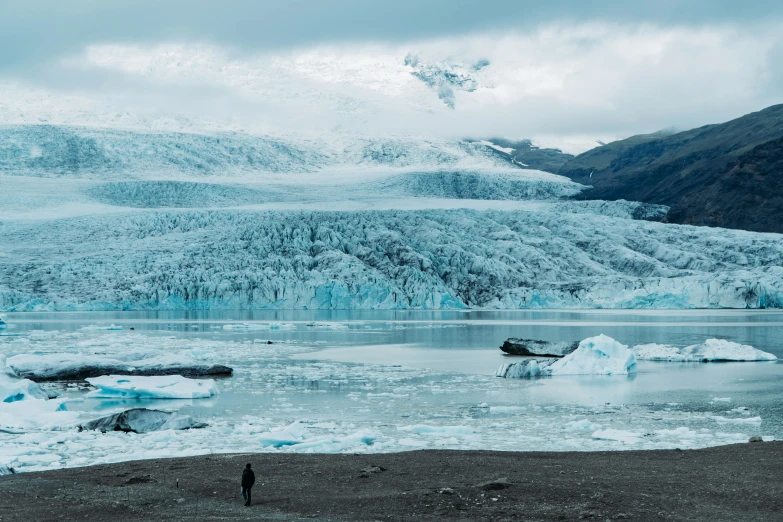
x,y
737,483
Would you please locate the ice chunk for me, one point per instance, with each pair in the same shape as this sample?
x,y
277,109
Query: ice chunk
x,y
523,369
159,387
142,420
296,436
74,366
111,327
625,437
259,326
36,414
599,355
288,436
20,390
709,350
441,431
13,389
735,420
3,321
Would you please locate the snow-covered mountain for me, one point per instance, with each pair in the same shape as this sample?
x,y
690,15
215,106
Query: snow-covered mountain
x,y
99,218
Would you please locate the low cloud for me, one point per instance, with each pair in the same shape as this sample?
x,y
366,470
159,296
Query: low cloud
x,y
567,84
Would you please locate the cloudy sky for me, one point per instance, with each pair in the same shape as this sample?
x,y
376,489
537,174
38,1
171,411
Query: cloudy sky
x,y
562,72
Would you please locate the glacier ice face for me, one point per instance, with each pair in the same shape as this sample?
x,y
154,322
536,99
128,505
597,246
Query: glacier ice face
x,y
241,259
102,227
709,350
158,387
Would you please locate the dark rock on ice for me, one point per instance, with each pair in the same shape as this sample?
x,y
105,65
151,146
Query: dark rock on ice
x,y
516,346
142,420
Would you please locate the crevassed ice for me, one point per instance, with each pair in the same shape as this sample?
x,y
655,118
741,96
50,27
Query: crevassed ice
x,y
383,260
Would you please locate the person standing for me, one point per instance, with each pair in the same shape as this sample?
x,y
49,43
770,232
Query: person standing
x,y
248,479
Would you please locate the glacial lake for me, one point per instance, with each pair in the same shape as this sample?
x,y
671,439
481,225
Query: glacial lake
x,y
423,379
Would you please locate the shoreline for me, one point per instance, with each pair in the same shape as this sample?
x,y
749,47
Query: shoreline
x,y
734,482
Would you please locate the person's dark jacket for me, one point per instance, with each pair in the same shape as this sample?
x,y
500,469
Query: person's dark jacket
x,y
248,478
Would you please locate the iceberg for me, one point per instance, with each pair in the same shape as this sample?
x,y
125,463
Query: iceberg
x,y
142,420
158,387
711,350
600,355
75,366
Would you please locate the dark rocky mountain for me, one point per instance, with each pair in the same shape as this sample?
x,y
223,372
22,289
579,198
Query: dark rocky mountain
x,y
748,194
728,175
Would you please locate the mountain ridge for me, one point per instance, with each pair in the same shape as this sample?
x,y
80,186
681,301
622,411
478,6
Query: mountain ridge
x,y
677,169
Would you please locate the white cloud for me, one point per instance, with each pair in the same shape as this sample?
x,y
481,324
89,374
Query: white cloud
x,y
568,84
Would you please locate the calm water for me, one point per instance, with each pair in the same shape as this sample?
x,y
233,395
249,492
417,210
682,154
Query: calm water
x,y
394,367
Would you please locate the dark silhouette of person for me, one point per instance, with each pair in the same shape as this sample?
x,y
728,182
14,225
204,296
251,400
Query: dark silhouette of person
x,y
248,479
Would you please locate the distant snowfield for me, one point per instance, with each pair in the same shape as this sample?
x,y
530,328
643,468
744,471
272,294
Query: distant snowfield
x,y
111,219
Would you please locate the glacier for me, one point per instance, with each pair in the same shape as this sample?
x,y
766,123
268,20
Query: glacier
x,y
116,219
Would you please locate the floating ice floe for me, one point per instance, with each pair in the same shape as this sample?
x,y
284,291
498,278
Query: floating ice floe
x,y
708,351
600,355
737,420
75,366
158,387
259,326
442,431
299,439
111,327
